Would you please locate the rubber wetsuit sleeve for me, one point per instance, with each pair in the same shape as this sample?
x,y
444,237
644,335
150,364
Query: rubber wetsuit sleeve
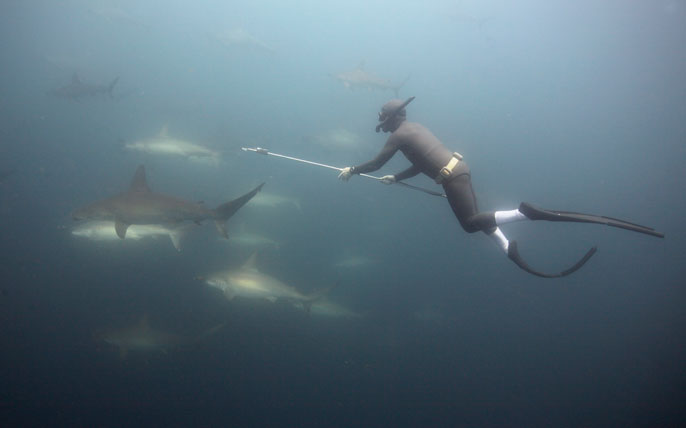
x,y
384,155
408,173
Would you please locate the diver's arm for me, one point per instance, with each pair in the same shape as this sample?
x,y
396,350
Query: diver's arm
x,y
384,155
408,173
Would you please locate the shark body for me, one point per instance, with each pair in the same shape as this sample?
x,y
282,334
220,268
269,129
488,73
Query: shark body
x,y
252,240
354,262
238,37
248,282
327,308
141,206
163,144
77,89
104,230
141,338
337,139
275,200
361,79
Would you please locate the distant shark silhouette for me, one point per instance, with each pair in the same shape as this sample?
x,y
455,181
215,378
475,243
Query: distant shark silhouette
x,y
360,79
274,200
142,338
238,37
77,89
140,205
248,282
329,309
164,144
252,240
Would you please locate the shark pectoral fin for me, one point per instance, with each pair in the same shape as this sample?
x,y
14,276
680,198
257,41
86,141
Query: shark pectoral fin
x,y
176,237
120,227
221,228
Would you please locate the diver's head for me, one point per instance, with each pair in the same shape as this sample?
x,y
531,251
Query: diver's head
x,y
392,114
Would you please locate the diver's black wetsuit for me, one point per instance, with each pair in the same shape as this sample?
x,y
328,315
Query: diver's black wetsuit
x,y
428,155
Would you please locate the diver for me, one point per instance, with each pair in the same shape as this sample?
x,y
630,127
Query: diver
x,y
429,156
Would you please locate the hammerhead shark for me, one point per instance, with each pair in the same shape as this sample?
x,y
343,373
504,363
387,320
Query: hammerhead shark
x,y
164,144
140,205
77,89
359,78
249,282
142,338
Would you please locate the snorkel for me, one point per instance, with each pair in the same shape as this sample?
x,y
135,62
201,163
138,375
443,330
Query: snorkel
x,y
392,114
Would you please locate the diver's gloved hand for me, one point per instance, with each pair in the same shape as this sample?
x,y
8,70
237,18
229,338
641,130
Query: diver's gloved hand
x,y
388,179
346,173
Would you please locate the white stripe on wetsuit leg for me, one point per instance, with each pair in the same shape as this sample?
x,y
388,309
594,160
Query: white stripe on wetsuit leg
x,y
504,217
500,239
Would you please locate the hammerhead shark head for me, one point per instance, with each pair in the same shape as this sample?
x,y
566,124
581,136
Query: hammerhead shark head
x,y
140,205
77,89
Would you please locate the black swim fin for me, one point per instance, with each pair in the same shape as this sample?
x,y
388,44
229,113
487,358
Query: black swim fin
x,y
513,255
535,213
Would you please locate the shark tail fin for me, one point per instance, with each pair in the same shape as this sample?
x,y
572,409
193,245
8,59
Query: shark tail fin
x,y
317,295
224,211
111,85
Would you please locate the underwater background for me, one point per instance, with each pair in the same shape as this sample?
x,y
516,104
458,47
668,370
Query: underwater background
x,y
577,106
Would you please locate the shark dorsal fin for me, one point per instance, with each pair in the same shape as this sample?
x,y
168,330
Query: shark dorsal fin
x,y
139,184
251,264
75,79
360,66
163,131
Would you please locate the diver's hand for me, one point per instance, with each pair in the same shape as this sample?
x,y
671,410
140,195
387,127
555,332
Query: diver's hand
x,y
346,173
388,179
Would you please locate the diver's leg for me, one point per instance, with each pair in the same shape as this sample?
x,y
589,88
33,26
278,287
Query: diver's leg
x,y
527,211
462,200
510,216
463,203
499,238
535,213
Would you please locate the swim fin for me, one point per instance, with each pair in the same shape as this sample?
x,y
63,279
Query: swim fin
x,y
513,255
534,213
